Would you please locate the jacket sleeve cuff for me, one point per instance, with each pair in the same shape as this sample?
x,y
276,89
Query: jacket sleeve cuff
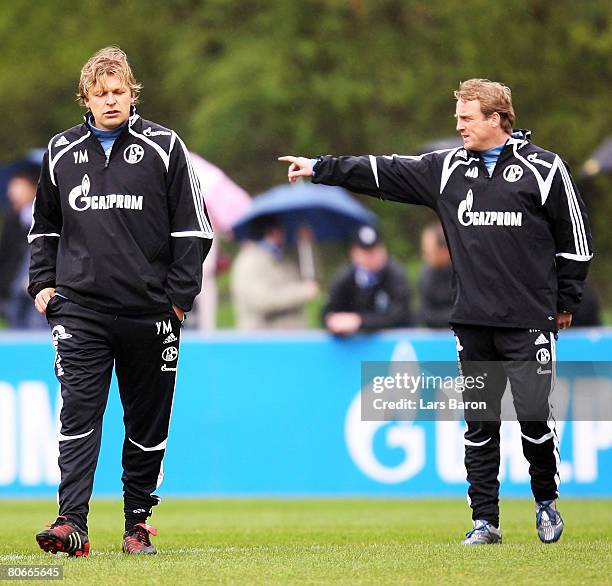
x,y
565,305
181,302
35,288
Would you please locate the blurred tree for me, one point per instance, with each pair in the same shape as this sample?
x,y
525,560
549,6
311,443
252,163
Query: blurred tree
x,y
244,81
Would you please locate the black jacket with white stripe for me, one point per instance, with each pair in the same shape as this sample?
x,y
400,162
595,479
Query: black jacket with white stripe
x,y
519,240
125,234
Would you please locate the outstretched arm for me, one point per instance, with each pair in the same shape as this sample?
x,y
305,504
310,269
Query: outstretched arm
x,y
397,178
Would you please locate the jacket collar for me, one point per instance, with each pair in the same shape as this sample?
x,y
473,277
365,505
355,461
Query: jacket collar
x,y
134,116
520,138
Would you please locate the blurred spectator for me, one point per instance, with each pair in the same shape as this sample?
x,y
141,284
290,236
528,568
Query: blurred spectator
x,y
266,288
372,293
17,305
588,313
435,280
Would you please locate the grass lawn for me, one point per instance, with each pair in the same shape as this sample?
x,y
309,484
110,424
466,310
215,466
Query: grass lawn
x,y
322,542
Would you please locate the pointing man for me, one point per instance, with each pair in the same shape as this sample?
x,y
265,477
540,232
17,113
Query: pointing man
x,y
520,243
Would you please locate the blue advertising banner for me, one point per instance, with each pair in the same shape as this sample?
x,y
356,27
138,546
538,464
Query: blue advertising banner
x,y
279,414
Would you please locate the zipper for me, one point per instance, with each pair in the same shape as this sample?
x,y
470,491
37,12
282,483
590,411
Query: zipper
x,y
112,149
98,146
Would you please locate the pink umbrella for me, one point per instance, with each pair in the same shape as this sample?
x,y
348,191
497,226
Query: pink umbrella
x,y
225,201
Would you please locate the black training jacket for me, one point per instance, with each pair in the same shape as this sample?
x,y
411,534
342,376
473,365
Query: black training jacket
x,y
381,306
126,235
519,240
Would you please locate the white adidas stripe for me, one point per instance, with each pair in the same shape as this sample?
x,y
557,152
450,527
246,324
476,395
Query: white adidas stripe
x,y
576,215
551,419
374,166
198,198
572,212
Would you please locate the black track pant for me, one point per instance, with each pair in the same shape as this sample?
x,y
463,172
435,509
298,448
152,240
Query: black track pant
x,y
144,351
510,354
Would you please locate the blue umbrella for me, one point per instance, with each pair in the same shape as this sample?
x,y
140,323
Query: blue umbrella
x,y
330,212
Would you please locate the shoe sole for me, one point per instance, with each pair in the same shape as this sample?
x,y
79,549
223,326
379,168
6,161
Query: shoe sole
x,y
51,544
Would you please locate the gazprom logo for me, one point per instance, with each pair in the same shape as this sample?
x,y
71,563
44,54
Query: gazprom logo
x,y
80,200
485,218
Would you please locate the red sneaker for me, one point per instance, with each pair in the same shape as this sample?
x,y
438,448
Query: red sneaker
x,y
63,535
136,540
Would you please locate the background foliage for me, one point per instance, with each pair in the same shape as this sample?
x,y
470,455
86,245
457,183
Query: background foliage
x,y
245,81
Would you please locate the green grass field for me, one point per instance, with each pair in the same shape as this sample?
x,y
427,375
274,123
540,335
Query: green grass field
x,y
323,542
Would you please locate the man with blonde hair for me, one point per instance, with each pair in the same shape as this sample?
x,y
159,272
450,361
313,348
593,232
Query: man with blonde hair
x,y
520,243
119,234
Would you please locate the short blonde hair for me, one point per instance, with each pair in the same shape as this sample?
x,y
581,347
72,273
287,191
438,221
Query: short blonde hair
x,y
107,61
493,97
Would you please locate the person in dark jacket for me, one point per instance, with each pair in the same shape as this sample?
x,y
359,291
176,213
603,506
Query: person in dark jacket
x,y
15,302
520,242
119,236
371,293
435,281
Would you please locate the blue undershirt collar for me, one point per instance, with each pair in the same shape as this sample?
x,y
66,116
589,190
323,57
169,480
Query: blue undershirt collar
x,y
490,156
105,137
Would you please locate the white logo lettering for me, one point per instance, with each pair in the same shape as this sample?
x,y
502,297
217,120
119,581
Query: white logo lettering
x,y
80,200
473,172
80,157
533,158
81,191
458,343
170,354
133,154
467,217
543,356
150,132
59,333
513,173
165,326
61,141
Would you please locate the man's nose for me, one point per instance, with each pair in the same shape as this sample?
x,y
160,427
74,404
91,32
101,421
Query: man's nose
x,y
459,126
110,98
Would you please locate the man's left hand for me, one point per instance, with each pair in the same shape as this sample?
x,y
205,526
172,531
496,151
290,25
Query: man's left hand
x,y
564,320
343,323
179,312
